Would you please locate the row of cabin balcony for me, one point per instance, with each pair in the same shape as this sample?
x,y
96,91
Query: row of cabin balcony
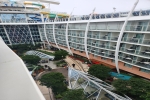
x,y
137,38
103,53
103,46
51,40
76,40
60,26
77,34
62,38
98,27
60,33
77,46
50,36
142,51
104,36
135,60
128,48
86,17
104,16
49,31
62,43
115,26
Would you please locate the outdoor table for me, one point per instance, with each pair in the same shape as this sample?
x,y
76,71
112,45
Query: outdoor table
x,y
147,52
146,63
129,58
130,49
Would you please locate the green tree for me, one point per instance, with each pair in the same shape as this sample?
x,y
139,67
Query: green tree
x,y
21,48
135,87
55,81
148,96
31,59
76,94
122,86
99,71
61,54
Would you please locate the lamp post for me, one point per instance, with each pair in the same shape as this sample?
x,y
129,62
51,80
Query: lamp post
x,y
114,9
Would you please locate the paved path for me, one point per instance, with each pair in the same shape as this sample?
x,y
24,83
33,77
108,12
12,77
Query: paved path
x,y
47,93
85,66
70,62
78,64
47,50
50,63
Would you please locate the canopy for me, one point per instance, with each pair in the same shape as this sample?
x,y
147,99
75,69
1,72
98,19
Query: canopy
x,y
120,76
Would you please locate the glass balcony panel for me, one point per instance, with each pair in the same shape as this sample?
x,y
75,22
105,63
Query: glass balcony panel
x,y
146,41
110,55
143,64
133,40
128,59
115,38
105,96
136,28
90,89
112,47
101,53
102,46
89,36
72,81
143,53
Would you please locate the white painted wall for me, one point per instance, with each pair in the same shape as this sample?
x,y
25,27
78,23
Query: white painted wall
x,y
16,81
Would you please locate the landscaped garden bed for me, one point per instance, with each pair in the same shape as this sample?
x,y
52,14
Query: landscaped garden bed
x,y
48,53
61,63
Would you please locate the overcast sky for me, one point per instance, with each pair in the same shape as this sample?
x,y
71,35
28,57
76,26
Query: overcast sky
x,y
84,7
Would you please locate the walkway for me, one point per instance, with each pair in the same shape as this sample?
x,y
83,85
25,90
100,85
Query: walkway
x,y
78,64
47,93
47,50
50,64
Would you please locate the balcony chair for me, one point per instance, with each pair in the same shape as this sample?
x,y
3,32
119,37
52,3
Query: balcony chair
x,y
134,40
116,38
93,17
102,15
136,13
97,16
87,17
144,13
104,37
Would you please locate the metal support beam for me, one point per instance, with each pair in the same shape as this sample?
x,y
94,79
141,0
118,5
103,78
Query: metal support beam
x,y
121,34
45,30
46,35
75,82
67,42
86,32
31,36
6,32
7,35
54,32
